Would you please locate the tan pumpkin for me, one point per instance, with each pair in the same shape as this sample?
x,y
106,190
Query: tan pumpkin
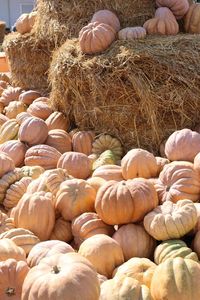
x,y
57,120
75,197
33,172
132,33
3,119
171,221
29,96
10,94
33,131
35,213
46,249
161,162
42,155
107,17
71,272
134,241
126,201
178,8
9,131
6,223
139,163
96,249
39,109
38,185
73,131
178,181
82,142
22,24
77,164
14,108
44,100
12,275
109,172
96,37
107,142
22,117
96,182
13,147
191,19
8,249
54,179
6,164
176,279
62,231
60,140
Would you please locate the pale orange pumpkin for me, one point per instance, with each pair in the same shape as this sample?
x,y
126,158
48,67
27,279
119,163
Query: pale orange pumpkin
x,y
62,231
10,94
8,249
178,7
29,96
109,172
60,140
6,164
131,33
191,20
161,162
22,117
57,120
96,182
82,142
3,119
14,108
39,109
107,17
13,147
6,223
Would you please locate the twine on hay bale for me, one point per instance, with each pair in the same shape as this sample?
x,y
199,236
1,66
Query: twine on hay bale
x,y
29,59
61,19
137,91
2,31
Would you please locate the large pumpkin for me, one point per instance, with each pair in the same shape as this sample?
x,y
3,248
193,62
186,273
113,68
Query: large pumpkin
x,y
82,142
62,231
8,249
178,7
10,94
126,201
57,120
60,140
13,147
40,110
107,17
6,164
107,142
109,172
29,96
6,223
191,20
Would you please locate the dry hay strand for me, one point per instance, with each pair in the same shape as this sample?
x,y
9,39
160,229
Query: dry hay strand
x,y
2,31
29,59
137,91
61,19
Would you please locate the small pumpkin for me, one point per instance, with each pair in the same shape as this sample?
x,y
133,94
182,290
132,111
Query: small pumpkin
x,y
107,17
106,158
107,142
131,33
10,94
33,172
54,179
22,117
60,140
14,108
3,119
6,164
82,142
62,231
57,120
9,131
191,19
13,147
29,96
178,8
39,109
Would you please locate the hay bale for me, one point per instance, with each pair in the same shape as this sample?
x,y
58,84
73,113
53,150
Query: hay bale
x,y
137,91
29,59
66,18
2,31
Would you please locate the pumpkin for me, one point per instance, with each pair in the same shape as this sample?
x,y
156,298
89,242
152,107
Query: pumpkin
x,y
176,279
178,7
171,249
10,94
33,172
8,249
3,119
138,163
63,277
35,213
6,164
89,224
126,201
43,156
3,84
57,120
161,162
73,131
178,181
101,278
123,287
21,237
39,109
22,24
107,142
141,269
183,145
54,179
76,164
12,275
60,140
96,249
14,108
96,182
9,131
47,249
171,221
31,19
134,241
20,118
62,231
7,180
106,158
96,37
197,227
6,223
29,96
82,142
131,33
107,17
13,147
197,163
38,185
75,197
191,19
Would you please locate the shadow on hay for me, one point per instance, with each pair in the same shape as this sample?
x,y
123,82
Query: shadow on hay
x,y
138,91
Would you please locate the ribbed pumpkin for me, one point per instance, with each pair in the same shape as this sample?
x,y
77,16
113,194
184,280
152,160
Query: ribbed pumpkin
x,y
73,132
134,241
3,119
171,249
107,17
33,131
82,142
73,274
46,249
6,223
57,120
139,163
171,221
10,94
101,278
54,178
35,213
38,185
40,110
29,96
161,162
176,279
96,182
14,108
132,33
77,164
44,100
178,7
3,84
8,249
33,172
60,140
42,155
74,197
191,20
22,117
107,142
106,158
6,164
9,131
12,275
126,201
197,163
96,249
13,147
109,172
62,231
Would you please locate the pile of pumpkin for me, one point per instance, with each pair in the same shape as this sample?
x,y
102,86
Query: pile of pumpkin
x,y
78,221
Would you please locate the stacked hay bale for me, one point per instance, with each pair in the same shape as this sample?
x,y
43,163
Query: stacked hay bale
x,y
2,31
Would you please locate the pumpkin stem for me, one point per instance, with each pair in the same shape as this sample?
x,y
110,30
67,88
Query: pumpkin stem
x,y
56,270
10,292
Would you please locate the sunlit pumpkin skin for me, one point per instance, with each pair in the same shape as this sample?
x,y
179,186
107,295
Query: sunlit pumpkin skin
x,y
6,223
183,145
134,241
75,197
9,131
57,120
101,278
197,163
126,201
22,117
8,249
96,37
62,231
13,147
197,227
35,213
171,249
161,162
107,17
96,182
178,181
176,279
60,140
29,96
171,221
70,272
123,287
3,84
191,19
6,164
132,33
141,269
107,142
44,100
96,249
106,158
22,24
40,110
76,164
109,172
82,142
14,108
10,94
138,163
12,275
3,119
89,224
33,172
178,8
46,249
